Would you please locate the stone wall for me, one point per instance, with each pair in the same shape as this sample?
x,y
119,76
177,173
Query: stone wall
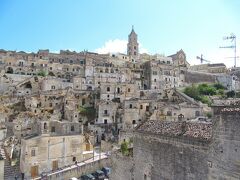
x,y
197,77
77,171
122,167
224,154
169,159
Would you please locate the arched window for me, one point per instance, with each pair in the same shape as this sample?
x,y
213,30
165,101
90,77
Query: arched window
x,y
45,126
108,89
74,159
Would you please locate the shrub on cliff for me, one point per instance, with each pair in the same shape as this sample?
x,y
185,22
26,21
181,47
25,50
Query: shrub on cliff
x,y
124,148
192,92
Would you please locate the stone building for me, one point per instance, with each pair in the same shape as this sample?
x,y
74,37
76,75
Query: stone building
x,y
48,153
210,68
185,150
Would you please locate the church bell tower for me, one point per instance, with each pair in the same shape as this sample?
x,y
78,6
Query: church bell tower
x,y
132,46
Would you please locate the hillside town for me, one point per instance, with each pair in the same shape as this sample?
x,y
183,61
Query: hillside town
x,y
128,116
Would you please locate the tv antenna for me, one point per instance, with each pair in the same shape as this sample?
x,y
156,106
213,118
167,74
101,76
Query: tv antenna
x,y
201,59
233,39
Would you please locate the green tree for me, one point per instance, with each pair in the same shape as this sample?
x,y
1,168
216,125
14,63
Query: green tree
x,y
205,89
124,148
193,92
230,94
221,92
42,73
219,86
206,100
237,94
209,114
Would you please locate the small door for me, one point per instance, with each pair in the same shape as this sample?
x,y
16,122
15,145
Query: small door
x,y
88,147
54,165
34,171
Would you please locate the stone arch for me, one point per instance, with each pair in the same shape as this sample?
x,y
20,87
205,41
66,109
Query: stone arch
x,y
51,73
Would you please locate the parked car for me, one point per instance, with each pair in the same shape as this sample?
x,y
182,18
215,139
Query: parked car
x,y
73,178
87,177
107,171
99,175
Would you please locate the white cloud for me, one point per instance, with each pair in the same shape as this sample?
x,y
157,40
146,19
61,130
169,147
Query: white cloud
x,y
117,46
113,46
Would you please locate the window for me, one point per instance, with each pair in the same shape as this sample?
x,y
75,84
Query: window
x,y
147,108
133,121
155,80
197,113
33,152
72,128
154,72
53,87
129,89
74,159
169,113
105,121
130,106
83,101
108,89
105,111
53,129
45,126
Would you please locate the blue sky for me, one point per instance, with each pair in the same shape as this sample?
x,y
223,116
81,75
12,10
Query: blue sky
x,y
103,25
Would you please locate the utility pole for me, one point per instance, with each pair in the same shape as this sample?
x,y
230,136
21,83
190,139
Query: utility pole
x,y
233,39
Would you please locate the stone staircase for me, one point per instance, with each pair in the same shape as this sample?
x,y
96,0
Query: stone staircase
x,y
11,171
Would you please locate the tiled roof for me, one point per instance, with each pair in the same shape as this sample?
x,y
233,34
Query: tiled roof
x,y
198,130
